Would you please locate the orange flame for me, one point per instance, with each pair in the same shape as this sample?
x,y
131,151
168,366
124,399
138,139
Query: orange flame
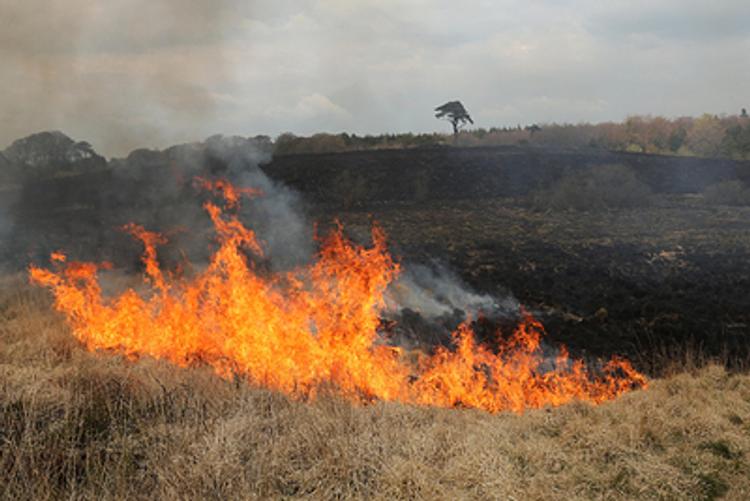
x,y
58,256
314,327
230,192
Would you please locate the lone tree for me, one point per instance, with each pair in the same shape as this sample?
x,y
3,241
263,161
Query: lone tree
x,y
744,113
455,113
532,129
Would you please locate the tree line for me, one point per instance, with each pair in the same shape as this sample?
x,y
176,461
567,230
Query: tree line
x,y
706,136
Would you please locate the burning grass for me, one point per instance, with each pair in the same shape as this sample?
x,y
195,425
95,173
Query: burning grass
x,y
314,327
74,424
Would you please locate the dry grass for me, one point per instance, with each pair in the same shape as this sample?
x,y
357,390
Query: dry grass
x,y
79,425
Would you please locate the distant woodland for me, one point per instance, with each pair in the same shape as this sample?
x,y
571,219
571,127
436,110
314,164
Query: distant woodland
x,y
705,136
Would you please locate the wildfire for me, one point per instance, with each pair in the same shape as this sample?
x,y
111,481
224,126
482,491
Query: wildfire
x,y
230,192
60,257
314,327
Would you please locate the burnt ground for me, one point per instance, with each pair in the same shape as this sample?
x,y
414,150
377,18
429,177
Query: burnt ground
x,y
647,282
653,283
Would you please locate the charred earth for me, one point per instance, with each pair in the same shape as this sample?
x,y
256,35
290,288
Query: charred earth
x,y
655,275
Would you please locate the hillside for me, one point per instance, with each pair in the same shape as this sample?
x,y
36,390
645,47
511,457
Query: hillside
x,y
446,173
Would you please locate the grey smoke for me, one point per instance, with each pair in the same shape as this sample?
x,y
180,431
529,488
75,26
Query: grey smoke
x,y
431,297
122,73
436,291
80,214
426,304
277,216
162,197
6,222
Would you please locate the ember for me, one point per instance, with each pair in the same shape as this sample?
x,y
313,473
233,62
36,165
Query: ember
x,y
313,327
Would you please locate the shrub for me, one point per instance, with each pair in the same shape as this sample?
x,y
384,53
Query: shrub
x,y
595,188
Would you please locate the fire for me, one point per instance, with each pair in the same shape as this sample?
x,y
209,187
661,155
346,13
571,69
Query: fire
x,y
60,257
230,192
311,328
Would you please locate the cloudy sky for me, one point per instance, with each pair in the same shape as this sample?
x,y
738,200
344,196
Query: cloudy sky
x,y
129,73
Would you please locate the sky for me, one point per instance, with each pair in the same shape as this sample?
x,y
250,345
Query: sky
x,y
124,74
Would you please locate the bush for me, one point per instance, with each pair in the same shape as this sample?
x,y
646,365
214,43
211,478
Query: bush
x,y
727,193
595,188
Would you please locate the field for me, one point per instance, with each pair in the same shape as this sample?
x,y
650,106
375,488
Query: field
x,y
79,425
662,279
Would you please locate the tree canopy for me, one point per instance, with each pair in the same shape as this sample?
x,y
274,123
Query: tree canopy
x,y
455,113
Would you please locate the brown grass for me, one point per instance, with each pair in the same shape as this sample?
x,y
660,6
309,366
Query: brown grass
x,y
80,425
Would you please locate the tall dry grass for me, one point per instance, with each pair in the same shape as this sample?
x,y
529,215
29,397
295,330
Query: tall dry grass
x,y
76,425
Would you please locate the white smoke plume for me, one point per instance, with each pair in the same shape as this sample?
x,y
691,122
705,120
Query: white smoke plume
x,y
435,291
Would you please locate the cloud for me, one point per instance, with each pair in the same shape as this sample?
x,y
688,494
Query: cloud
x,y
687,21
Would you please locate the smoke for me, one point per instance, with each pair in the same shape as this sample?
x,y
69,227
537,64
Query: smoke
x,y
5,224
435,292
8,196
157,190
428,302
277,216
80,215
122,73
429,294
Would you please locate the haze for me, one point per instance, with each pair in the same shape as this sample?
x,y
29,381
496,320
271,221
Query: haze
x,y
125,74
